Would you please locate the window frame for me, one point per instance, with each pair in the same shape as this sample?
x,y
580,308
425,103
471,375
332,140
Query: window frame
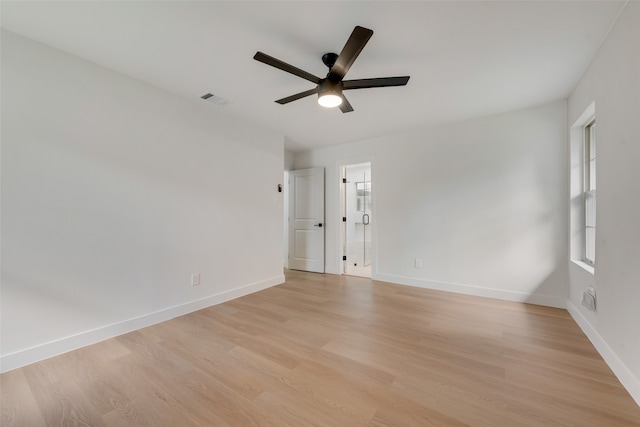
x,y
589,192
577,186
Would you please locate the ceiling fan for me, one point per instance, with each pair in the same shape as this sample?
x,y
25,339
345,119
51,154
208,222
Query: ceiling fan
x,y
330,88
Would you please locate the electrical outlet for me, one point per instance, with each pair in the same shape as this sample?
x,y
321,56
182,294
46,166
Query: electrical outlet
x,y
195,279
417,263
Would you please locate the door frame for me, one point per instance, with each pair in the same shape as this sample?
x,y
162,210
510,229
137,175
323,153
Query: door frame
x,y
339,235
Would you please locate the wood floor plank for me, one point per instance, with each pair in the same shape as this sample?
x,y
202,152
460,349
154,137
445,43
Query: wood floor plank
x,y
296,390
65,403
158,397
332,351
19,406
223,368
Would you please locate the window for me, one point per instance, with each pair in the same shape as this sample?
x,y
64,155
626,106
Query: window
x,y
589,194
582,219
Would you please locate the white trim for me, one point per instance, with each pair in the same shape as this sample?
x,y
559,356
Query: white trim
x,y
624,374
546,300
585,118
40,352
588,268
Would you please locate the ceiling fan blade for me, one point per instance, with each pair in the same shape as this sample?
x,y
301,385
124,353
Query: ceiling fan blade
x,y
377,82
356,42
297,96
270,60
345,107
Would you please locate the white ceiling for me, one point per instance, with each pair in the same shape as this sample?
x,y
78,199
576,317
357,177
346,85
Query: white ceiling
x,y
466,59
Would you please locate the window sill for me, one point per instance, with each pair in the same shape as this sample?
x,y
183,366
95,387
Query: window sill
x,y
584,266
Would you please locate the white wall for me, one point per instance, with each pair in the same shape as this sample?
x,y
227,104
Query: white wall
x,y
113,193
482,203
613,82
289,158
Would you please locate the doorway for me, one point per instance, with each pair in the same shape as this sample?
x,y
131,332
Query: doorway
x,y
306,220
357,220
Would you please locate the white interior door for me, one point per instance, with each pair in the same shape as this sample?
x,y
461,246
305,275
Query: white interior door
x,y
306,220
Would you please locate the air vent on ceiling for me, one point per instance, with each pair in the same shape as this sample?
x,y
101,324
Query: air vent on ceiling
x,y
218,100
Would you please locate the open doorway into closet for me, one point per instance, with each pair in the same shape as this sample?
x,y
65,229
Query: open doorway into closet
x,y
357,220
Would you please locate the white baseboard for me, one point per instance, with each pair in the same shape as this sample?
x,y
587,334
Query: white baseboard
x,y
40,352
546,300
624,374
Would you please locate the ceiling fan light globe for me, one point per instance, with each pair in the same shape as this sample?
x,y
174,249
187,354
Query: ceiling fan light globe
x,y
329,100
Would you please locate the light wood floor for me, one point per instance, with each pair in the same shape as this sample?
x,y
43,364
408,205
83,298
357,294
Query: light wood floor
x,y
332,351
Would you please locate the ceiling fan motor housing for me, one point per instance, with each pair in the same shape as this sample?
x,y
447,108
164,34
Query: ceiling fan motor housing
x,y
328,86
329,59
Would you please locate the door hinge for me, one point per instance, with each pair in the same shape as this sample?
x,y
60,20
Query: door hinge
x,y
344,180
344,257
344,219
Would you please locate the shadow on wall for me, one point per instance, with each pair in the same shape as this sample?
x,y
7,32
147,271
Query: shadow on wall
x,y
491,233
483,206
